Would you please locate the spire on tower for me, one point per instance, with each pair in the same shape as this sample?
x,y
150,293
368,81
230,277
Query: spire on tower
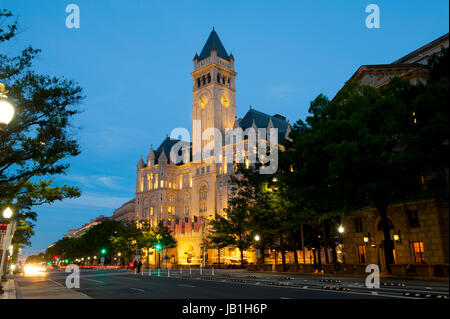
x,y
213,42
141,163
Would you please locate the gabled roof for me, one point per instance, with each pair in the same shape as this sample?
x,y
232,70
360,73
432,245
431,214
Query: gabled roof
x,y
421,52
213,42
262,121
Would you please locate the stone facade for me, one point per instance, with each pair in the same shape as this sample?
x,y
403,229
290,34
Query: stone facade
x,y
419,229
186,196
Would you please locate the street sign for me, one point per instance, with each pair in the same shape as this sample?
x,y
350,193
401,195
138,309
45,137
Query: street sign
x,y
166,257
138,257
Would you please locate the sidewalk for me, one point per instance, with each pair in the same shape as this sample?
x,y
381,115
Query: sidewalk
x,y
44,288
9,288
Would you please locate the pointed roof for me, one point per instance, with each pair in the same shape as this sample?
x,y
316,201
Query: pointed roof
x,y
213,43
141,163
151,154
162,158
262,120
166,147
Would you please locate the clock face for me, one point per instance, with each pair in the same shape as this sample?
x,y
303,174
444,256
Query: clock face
x,y
202,101
225,101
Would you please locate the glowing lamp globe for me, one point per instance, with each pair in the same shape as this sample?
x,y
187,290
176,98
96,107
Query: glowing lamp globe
x,y
6,111
7,213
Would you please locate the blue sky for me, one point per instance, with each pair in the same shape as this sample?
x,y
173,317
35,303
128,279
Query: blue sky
x,y
133,59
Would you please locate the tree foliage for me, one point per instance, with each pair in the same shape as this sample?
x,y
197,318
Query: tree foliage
x,y
39,139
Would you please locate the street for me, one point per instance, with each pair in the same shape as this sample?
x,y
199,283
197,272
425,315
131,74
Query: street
x,y
224,284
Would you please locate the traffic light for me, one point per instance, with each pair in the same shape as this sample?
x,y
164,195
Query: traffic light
x,y
158,247
103,251
55,257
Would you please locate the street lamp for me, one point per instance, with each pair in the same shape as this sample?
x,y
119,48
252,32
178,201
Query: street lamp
x,y
6,108
341,229
397,236
11,228
7,213
257,238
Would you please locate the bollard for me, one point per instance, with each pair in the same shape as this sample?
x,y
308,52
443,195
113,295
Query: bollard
x,y
190,270
200,269
212,271
159,272
168,272
149,271
181,271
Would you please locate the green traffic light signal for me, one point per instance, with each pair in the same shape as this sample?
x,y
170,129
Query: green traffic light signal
x,y
158,246
103,251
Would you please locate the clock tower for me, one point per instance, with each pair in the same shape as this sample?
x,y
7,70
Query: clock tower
x,y
214,89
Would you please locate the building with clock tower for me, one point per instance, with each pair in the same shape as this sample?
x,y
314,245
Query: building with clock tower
x,y
185,196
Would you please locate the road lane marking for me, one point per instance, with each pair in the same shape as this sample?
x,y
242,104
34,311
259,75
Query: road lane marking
x,y
128,278
141,290
182,285
56,283
93,280
285,298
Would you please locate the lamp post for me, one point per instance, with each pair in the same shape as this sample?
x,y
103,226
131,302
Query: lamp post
x,y
257,238
11,228
6,108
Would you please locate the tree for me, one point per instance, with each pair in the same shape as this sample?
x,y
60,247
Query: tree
x,y
369,148
217,240
35,144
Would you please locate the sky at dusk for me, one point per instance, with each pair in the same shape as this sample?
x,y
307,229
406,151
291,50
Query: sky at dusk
x,y
133,59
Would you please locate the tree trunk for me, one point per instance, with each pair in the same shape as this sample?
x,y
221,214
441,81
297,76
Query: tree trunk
x,y
242,256
295,257
315,259
334,253
283,254
218,257
387,243
319,257
303,245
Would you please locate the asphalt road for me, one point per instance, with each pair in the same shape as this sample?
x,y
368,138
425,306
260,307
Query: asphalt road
x,y
224,284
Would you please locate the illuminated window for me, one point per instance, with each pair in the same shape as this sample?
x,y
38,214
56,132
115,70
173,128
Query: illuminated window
x,y
418,250
203,193
361,254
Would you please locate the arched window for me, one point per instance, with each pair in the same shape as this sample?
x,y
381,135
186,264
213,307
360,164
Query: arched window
x,y
218,77
198,82
223,80
203,193
203,80
229,83
209,78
